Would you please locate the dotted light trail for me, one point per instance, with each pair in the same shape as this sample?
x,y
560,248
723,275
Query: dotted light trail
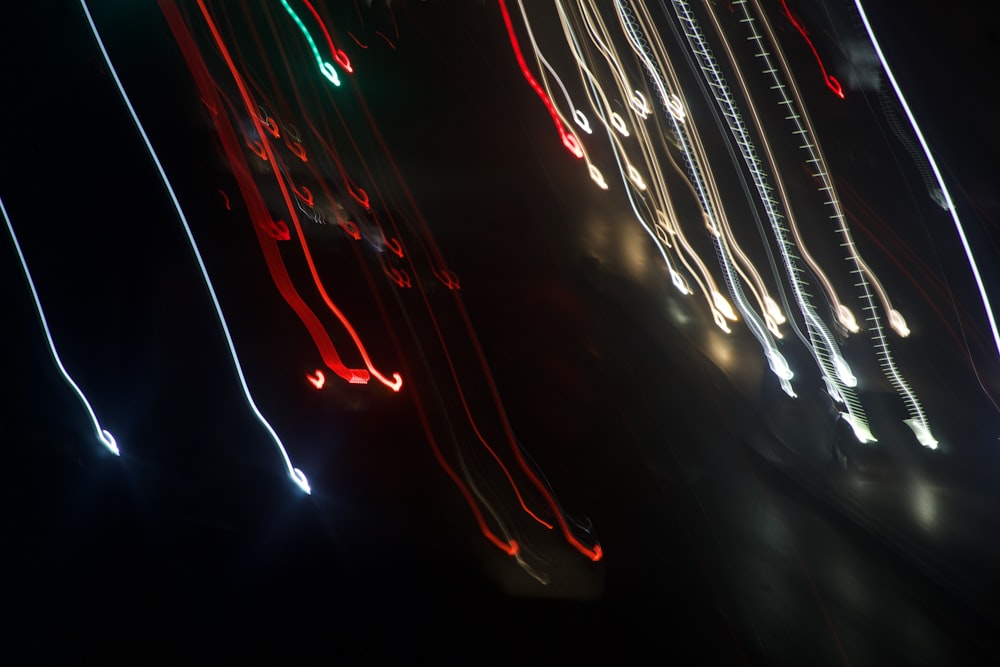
x,y
949,203
326,68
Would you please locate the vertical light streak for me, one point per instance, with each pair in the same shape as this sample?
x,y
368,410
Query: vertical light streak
x,y
103,434
603,45
700,175
949,203
296,475
668,230
772,314
469,489
268,231
792,225
593,551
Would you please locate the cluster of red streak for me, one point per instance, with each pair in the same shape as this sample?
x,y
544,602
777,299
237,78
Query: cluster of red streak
x,y
274,143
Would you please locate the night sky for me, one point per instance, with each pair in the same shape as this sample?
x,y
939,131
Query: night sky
x,y
666,500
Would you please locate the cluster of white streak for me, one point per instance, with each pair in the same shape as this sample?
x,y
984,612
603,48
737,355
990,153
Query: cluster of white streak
x,y
642,166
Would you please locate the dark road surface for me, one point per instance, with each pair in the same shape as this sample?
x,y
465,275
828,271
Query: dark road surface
x,y
728,536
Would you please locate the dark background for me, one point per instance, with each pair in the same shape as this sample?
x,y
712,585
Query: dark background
x,y
724,541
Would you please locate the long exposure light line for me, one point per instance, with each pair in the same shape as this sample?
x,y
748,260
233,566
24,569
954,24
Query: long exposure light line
x,y
569,140
294,473
103,434
830,81
949,203
338,54
682,129
324,67
867,283
396,383
578,117
836,372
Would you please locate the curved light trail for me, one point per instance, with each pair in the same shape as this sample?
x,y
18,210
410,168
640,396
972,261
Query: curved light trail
x,y
396,383
569,140
711,205
325,67
647,148
103,435
798,115
296,475
263,103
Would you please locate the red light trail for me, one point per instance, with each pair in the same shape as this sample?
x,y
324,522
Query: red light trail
x,y
830,81
301,197
569,140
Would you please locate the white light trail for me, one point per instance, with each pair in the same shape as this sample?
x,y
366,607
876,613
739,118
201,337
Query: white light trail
x,y
296,475
103,434
805,134
663,229
949,203
825,351
637,23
